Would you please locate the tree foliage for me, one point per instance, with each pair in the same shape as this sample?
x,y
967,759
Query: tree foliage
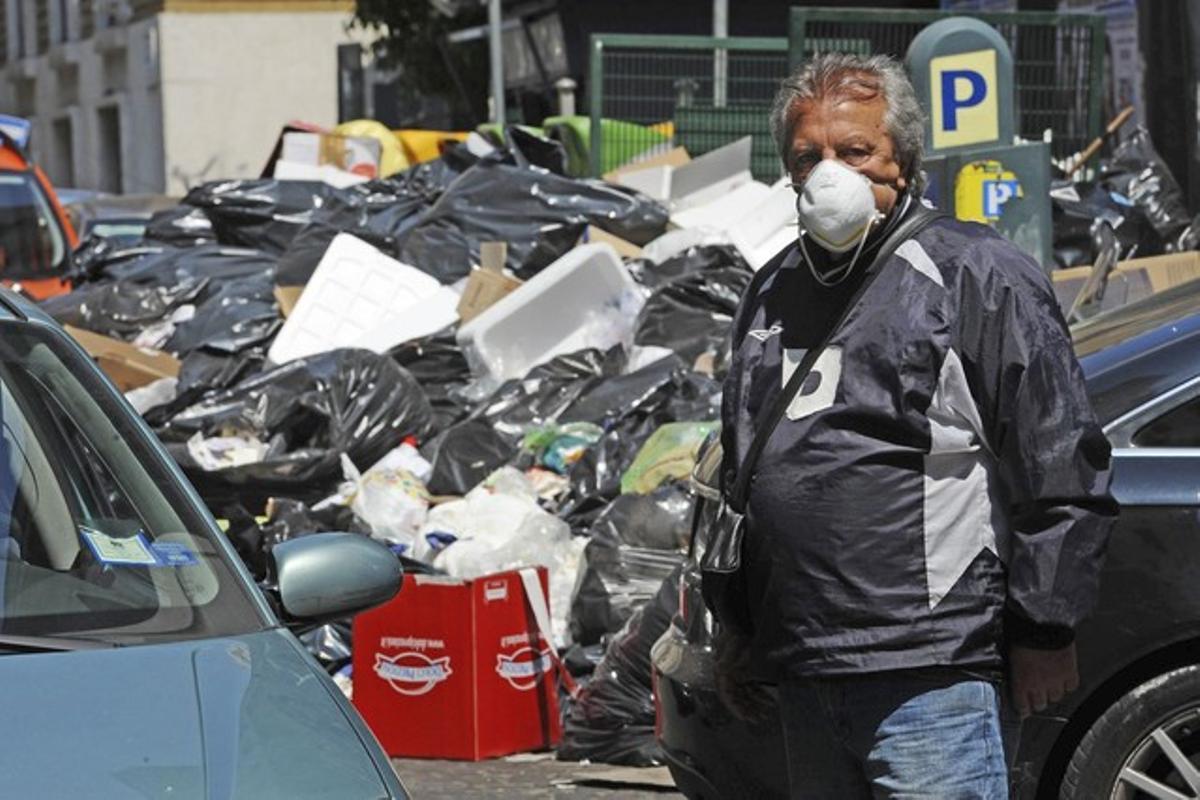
x,y
412,38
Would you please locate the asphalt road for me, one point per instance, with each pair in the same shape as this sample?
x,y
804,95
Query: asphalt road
x,y
537,776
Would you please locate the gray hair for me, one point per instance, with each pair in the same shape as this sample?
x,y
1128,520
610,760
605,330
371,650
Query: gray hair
x,y
832,74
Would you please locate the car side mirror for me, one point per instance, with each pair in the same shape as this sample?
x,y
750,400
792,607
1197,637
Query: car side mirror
x,y
330,575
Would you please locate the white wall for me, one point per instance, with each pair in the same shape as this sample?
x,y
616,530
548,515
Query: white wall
x,y
231,80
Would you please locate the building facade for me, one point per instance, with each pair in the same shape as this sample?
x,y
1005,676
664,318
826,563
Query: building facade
x,y
150,96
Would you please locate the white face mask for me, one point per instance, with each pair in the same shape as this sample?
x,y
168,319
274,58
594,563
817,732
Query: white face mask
x,y
836,207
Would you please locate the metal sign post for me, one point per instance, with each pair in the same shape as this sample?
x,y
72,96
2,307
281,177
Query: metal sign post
x,y
496,53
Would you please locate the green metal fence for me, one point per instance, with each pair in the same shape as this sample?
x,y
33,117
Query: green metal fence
x,y
1058,59
698,92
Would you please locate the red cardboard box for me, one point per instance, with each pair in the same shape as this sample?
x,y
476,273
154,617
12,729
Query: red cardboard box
x,y
457,669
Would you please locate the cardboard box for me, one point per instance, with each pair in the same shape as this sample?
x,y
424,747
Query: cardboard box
x,y
457,669
487,284
1130,280
129,367
675,157
356,154
624,249
287,297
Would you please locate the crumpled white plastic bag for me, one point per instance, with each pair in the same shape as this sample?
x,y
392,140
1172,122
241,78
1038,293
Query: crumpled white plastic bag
x,y
499,526
391,501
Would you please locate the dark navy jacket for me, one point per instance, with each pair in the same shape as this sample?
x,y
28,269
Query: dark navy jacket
x,y
940,484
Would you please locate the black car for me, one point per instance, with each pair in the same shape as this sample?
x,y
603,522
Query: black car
x,y
1132,730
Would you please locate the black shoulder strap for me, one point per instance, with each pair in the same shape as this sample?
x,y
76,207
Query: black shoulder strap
x,y
769,417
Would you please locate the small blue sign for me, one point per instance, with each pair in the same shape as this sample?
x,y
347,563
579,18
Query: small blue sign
x,y
174,554
996,194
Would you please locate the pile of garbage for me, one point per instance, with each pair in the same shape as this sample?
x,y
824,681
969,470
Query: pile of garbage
x,y
481,361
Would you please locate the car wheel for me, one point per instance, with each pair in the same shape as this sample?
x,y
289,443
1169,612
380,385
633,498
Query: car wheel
x,y
1146,745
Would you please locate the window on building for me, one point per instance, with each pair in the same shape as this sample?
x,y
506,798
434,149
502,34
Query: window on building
x,y
64,20
108,121
64,152
1179,427
110,13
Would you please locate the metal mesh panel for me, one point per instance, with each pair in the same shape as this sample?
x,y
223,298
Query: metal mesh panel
x,y
660,92
1057,60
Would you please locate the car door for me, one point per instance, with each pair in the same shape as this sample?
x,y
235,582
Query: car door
x,y
1150,594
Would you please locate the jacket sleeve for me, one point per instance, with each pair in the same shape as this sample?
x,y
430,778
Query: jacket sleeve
x,y
1053,460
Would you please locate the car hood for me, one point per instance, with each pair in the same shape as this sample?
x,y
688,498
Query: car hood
x,y
246,716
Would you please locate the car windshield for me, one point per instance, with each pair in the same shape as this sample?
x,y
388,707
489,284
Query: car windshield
x,y
31,239
98,539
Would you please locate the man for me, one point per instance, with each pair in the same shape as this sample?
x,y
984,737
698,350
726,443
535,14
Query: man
x,y
930,515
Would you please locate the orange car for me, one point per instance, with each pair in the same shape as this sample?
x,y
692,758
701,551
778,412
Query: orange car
x,y
36,237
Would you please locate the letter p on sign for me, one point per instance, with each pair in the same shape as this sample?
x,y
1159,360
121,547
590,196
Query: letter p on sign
x,y
966,109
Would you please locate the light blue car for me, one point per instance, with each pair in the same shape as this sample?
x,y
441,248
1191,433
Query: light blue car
x,y
137,657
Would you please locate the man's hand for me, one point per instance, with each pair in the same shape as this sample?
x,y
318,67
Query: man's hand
x,y
1041,677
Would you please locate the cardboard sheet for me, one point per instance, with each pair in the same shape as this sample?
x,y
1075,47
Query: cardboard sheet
x,y
129,367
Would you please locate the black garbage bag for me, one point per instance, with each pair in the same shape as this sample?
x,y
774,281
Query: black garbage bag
x,y
183,226
530,150
692,260
691,314
240,315
1077,208
539,214
612,720
541,396
166,265
1137,172
202,373
630,408
286,519
439,365
122,309
635,543
465,454
618,396
308,412
262,213
379,212
90,257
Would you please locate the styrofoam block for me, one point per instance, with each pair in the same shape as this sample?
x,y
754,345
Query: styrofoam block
x,y
758,255
654,182
768,227
359,297
720,213
556,311
706,178
674,242
295,171
697,182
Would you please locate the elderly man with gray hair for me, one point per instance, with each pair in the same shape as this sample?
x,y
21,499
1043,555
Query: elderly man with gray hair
x,y
923,481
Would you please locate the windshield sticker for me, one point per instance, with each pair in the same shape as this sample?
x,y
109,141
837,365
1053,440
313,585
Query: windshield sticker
x,y
174,554
131,550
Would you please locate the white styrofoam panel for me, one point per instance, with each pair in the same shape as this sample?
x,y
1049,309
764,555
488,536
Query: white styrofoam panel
x,y
768,227
654,182
552,313
359,297
718,214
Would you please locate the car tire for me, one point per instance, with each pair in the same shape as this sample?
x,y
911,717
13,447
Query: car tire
x,y
1132,742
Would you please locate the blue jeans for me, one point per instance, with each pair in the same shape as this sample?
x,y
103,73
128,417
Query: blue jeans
x,y
911,735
